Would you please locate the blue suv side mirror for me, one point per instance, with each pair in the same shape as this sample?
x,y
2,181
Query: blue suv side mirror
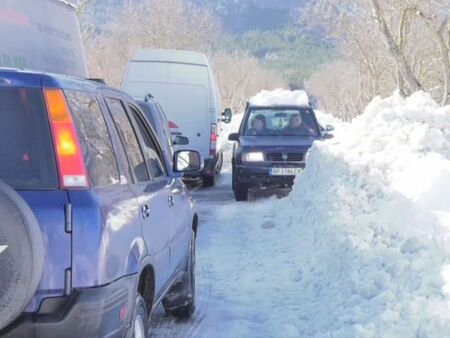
x,y
233,137
187,161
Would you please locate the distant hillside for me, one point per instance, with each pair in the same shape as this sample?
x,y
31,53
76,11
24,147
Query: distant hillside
x,y
237,16
291,51
269,30
240,16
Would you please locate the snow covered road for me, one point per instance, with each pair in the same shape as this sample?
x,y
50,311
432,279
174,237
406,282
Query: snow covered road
x,y
224,309
211,307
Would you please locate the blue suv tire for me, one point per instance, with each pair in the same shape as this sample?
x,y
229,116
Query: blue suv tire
x,y
140,322
180,302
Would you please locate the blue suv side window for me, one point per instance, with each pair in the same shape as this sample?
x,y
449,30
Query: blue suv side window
x,y
129,139
153,159
165,123
94,137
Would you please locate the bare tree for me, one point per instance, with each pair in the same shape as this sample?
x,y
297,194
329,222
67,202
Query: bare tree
x,y
389,44
241,76
403,65
336,84
173,24
151,24
440,32
81,5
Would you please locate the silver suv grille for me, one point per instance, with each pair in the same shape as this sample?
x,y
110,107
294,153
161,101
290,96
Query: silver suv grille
x,y
285,157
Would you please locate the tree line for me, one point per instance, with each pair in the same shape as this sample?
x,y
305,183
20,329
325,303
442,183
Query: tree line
x,y
171,24
384,45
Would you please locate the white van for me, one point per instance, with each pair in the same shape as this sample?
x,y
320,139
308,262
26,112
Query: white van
x,y
182,82
41,35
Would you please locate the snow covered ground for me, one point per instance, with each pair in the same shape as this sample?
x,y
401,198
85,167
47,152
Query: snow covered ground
x,y
360,248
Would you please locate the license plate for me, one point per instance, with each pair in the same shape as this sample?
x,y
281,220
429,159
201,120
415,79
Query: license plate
x,y
285,171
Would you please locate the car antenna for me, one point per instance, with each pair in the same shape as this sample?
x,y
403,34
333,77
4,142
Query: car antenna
x,y
148,97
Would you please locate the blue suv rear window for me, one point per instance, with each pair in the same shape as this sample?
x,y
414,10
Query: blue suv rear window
x,y
94,138
27,159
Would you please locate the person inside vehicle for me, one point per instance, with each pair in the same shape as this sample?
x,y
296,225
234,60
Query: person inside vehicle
x,y
188,161
258,125
194,162
298,127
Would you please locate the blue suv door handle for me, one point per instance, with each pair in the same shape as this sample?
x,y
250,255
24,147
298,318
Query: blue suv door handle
x,y
145,211
171,201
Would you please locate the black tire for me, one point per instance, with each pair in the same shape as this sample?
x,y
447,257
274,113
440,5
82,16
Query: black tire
x,y
140,322
21,255
240,192
209,181
185,288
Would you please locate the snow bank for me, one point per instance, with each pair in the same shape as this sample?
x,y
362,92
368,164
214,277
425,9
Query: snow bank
x,y
325,118
361,247
280,97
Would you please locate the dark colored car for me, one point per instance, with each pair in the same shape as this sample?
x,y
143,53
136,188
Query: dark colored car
x,y
271,147
158,120
95,227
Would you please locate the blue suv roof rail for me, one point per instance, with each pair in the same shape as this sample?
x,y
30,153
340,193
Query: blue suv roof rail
x,y
102,81
148,97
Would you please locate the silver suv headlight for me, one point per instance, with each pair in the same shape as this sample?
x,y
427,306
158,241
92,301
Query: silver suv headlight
x,y
253,156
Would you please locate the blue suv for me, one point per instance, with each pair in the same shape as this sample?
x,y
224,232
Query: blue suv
x,y
96,226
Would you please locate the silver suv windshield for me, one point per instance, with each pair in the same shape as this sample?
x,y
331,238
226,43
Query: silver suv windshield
x,y
285,122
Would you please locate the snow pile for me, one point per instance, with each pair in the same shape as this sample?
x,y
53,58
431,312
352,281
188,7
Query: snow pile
x,y
280,97
325,118
361,247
